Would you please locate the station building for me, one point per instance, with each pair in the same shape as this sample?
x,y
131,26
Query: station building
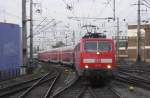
x,y
128,45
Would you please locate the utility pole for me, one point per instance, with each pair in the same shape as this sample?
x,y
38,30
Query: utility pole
x,y
118,31
31,31
114,10
138,59
74,39
66,36
24,37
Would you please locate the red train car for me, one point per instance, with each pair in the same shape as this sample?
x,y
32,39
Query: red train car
x,y
94,55
63,55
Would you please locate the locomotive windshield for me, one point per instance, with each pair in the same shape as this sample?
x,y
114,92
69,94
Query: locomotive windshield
x,y
92,46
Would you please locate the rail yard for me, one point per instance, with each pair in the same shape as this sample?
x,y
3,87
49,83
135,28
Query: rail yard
x,y
74,49
56,81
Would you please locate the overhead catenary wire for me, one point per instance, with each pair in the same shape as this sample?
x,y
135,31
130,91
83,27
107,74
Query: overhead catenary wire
x,y
41,26
146,3
107,5
44,26
40,23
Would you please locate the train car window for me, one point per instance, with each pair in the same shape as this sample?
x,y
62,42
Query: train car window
x,y
104,46
90,46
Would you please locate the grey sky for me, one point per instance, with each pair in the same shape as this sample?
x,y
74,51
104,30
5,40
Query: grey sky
x,y
11,9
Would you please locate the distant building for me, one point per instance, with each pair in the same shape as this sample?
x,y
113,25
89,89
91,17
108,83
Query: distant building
x,y
130,51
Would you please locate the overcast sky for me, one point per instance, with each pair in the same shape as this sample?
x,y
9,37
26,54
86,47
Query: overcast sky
x,y
10,10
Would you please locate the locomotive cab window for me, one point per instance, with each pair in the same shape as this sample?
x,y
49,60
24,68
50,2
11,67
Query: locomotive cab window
x,y
92,46
104,46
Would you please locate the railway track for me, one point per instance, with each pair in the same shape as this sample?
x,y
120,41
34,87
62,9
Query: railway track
x,y
55,85
117,94
43,87
61,89
15,88
134,70
24,88
106,92
87,91
133,79
90,92
79,89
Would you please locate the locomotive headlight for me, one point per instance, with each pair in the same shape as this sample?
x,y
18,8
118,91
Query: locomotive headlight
x,y
97,53
88,60
109,66
86,66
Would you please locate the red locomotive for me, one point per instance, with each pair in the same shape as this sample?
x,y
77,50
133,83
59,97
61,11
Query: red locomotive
x,y
93,56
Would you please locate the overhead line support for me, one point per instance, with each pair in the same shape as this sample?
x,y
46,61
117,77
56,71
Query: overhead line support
x,y
24,37
31,31
138,58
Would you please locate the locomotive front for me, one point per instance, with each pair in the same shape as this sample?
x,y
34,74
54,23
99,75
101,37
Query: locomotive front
x,y
97,57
